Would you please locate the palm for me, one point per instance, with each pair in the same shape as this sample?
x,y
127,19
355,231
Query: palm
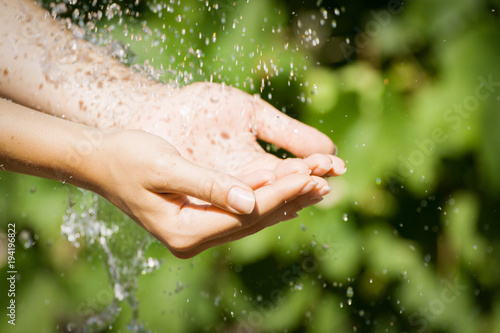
x,y
217,127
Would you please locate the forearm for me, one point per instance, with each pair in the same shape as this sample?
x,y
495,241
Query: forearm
x,y
41,145
45,67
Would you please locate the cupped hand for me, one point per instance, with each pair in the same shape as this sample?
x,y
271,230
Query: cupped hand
x,y
218,126
190,208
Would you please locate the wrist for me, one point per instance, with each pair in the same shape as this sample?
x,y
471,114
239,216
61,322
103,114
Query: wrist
x,y
84,159
45,146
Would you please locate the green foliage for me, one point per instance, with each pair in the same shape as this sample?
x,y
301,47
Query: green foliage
x,y
407,241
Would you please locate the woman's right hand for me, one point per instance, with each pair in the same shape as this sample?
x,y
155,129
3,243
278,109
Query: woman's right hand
x,y
191,208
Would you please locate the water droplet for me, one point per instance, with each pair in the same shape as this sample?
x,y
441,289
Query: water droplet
x,y
59,9
26,238
349,292
345,217
214,98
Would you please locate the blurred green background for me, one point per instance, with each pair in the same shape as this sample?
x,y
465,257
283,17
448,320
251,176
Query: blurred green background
x,y
408,241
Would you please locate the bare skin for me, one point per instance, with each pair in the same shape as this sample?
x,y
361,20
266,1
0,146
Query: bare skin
x,y
217,126
182,195
159,197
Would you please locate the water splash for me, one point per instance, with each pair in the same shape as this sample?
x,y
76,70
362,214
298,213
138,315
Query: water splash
x,y
181,53
92,222
178,53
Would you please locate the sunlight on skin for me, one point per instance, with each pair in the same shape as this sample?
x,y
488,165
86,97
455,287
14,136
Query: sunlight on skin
x,y
182,195
217,126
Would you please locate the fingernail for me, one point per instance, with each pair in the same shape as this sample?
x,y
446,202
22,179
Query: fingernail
x,y
318,200
324,191
321,193
335,150
324,168
339,167
241,200
309,187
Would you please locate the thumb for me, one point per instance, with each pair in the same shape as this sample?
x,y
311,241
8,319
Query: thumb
x,y
220,189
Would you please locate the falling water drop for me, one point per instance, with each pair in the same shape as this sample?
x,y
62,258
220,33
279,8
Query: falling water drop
x,y
26,238
349,292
